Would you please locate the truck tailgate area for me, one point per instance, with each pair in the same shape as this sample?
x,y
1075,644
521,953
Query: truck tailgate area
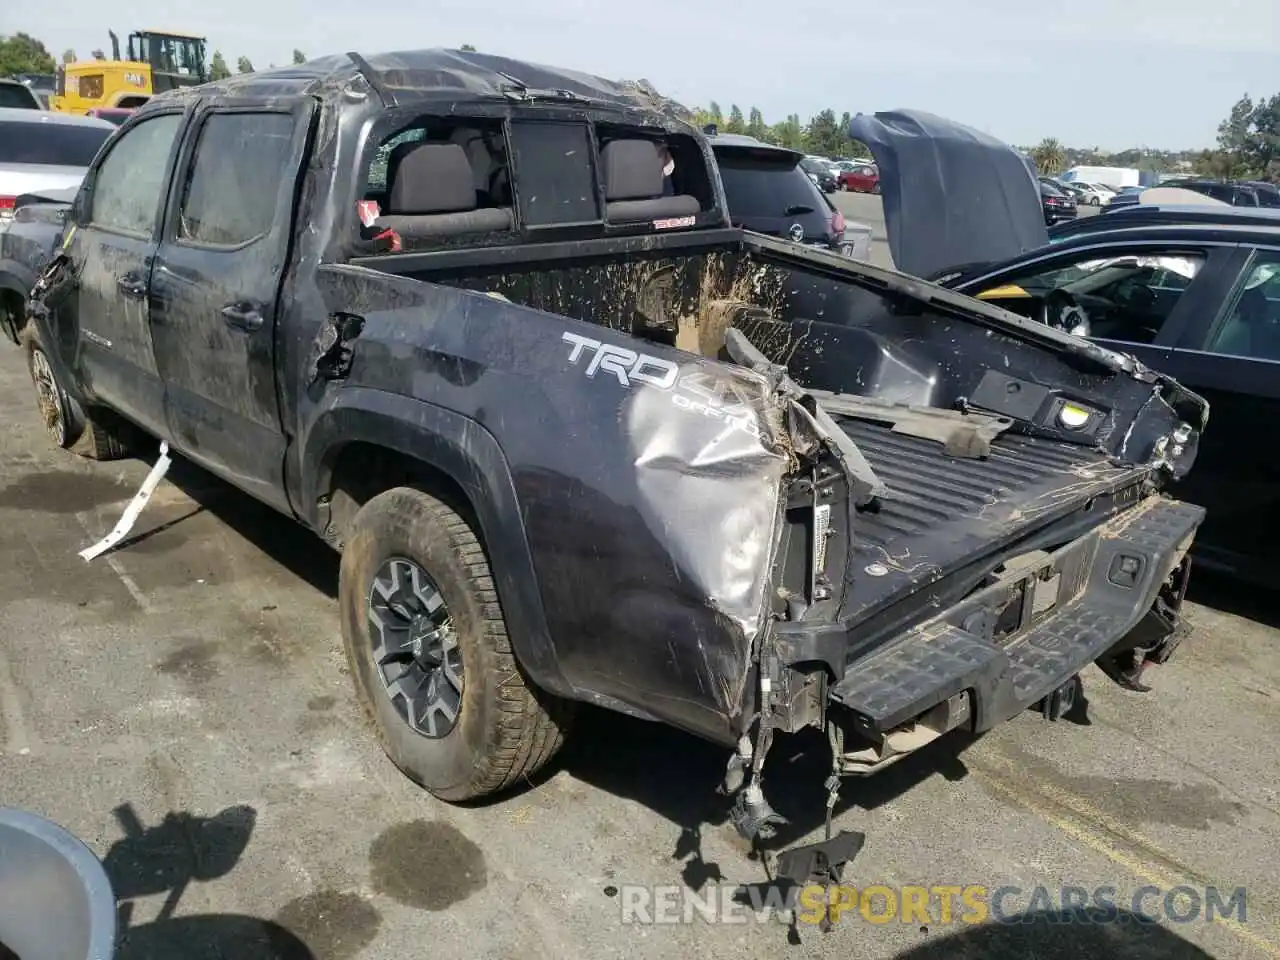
x,y
943,511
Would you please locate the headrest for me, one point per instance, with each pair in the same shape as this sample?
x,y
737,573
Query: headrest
x,y
632,170
432,178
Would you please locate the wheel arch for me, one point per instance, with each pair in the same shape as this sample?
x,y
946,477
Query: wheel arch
x,y
16,282
369,440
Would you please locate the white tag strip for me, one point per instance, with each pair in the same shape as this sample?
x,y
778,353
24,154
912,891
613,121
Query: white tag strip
x,y
130,517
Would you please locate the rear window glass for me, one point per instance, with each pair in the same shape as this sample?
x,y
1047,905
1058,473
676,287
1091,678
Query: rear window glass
x,y
767,188
52,143
17,95
554,169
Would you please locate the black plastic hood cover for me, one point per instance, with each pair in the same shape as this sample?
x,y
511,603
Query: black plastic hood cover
x,y
952,195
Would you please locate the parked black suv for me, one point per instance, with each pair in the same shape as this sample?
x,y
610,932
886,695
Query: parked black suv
x,y
769,191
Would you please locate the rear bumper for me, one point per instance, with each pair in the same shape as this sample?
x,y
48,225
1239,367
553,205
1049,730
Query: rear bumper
x,y
1012,643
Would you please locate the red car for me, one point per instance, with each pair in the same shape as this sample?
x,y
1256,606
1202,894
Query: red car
x,y
116,115
861,179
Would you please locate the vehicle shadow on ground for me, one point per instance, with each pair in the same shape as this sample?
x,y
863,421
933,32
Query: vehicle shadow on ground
x,y
676,776
183,849
1231,596
276,535
1059,935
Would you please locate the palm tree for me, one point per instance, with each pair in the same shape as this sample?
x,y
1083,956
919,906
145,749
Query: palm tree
x,y
1049,156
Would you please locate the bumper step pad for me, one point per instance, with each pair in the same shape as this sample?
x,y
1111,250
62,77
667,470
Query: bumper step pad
x,y
939,659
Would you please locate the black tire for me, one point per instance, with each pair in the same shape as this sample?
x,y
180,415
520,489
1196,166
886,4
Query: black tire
x,y
93,437
875,188
506,729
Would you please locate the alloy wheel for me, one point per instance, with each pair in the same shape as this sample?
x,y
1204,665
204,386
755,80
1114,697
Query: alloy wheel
x,y
49,398
415,648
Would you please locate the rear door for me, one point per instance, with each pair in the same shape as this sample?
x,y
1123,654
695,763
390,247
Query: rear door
x,y
103,328
217,285
1231,356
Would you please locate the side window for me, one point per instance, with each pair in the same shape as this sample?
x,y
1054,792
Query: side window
x,y
129,183
1124,296
231,192
1250,326
554,172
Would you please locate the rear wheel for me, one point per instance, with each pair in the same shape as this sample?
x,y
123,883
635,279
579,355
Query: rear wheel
x,y
429,652
67,424
875,188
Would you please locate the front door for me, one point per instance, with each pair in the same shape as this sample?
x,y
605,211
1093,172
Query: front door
x,y
103,328
1232,359
217,282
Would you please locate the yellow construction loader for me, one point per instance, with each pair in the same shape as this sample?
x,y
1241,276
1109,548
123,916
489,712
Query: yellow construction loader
x,y
154,61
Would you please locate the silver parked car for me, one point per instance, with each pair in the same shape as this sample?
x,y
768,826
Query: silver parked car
x,y
14,93
41,150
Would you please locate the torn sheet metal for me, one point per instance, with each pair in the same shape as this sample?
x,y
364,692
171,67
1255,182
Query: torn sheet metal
x,y
131,512
713,476
710,474
865,484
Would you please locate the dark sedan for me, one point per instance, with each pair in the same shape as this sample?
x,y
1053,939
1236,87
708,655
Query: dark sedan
x,y
1057,203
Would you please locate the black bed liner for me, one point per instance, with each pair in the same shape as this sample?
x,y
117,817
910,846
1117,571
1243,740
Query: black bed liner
x,y
941,510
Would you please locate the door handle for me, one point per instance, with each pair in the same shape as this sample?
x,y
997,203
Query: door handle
x,y
131,286
242,315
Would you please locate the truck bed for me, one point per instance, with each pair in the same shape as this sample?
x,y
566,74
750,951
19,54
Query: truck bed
x,y
942,513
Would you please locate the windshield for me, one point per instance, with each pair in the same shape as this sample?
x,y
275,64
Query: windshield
x,y
62,144
756,187
1093,276
18,95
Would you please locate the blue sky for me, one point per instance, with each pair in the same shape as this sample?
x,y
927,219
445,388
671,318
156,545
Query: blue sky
x,y
1159,73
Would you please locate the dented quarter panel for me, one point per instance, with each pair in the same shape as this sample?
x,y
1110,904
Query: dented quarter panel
x,y
649,492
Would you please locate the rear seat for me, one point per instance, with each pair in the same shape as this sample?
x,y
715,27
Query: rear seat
x,y
432,194
633,184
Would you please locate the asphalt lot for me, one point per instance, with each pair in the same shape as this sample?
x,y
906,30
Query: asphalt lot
x,y
182,705
865,208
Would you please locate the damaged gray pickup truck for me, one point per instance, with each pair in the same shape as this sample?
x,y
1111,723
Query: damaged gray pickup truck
x,y
577,440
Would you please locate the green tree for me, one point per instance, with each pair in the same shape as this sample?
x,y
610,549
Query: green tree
x,y
788,133
467,48
1218,164
1250,135
756,127
299,57
244,65
714,115
68,56
736,124
822,136
218,67
98,54
23,53
1049,156
846,142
